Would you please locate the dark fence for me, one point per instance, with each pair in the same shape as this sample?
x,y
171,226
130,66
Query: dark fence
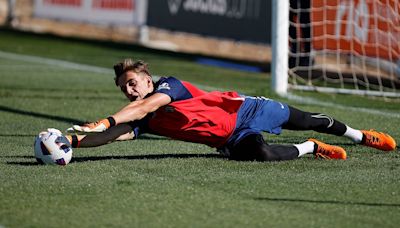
x,y
244,20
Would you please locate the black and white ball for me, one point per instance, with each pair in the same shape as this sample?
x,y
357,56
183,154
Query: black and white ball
x,y
52,147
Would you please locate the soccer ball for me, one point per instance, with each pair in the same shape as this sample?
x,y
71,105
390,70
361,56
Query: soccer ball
x,y
51,147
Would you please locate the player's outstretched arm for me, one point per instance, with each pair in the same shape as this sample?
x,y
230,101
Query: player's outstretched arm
x,y
135,110
117,133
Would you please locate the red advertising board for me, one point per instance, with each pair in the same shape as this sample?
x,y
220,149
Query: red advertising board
x,y
93,11
71,3
360,27
114,4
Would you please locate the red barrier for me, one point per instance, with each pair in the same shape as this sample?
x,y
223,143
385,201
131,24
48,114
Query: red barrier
x,y
77,3
361,27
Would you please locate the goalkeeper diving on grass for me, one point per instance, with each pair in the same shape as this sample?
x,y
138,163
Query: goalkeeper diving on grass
x,y
228,121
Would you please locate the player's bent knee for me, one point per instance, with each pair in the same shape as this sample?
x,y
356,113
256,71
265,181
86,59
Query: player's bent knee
x,y
253,148
267,153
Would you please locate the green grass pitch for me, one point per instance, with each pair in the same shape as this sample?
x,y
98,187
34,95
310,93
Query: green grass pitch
x,y
157,182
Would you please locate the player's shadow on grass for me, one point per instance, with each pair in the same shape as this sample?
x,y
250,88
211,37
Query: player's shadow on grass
x,y
114,157
145,157
18,135
286,200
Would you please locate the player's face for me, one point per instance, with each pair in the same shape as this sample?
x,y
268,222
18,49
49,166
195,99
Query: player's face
x,y
135,86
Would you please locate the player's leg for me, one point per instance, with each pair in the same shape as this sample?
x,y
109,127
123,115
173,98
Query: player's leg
x,y
300,120
253,147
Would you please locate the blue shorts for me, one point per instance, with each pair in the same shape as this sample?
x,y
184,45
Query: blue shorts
x,y
259,114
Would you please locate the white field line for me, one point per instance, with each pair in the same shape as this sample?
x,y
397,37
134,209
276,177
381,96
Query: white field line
x,y
102,70
73,66
55,62
312,101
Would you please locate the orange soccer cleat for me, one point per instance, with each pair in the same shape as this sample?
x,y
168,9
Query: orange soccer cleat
x,y
378,140
328,151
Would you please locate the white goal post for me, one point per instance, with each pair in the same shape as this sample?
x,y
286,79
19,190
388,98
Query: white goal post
x,y
338,46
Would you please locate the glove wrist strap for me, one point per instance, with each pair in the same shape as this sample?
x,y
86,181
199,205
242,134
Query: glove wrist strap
x,y
75,141
111,120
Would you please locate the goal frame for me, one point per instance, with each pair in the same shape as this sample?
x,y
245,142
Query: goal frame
x,y
280,55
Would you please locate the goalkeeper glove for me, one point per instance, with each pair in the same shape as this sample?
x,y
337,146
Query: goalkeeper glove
x,y
74,140
98,126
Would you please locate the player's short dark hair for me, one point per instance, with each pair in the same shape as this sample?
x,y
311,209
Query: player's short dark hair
x,y
126,65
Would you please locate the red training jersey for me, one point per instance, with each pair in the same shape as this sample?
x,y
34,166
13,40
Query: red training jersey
x,y
195,115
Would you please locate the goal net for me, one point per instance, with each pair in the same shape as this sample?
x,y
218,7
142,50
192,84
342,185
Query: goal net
x,y
341,46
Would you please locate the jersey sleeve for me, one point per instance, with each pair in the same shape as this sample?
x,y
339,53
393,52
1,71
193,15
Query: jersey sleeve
x,y
173,88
